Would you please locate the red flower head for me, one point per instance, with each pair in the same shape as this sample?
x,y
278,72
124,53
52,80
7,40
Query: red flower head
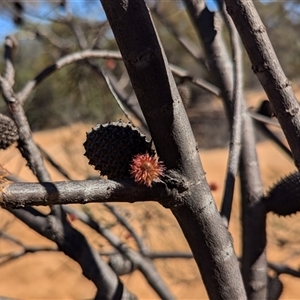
x,y
146,168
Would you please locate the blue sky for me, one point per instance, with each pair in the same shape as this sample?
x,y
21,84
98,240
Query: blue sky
x,y
92,8
44,10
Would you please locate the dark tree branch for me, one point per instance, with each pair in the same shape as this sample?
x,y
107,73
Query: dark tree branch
x,y
16,195
75,245
199,82
26,144
236,126
284,269
261,124
263,119
115,92
138,261
124,222
268,70
64,61
54,226
156,91
59,168
187,44
253,216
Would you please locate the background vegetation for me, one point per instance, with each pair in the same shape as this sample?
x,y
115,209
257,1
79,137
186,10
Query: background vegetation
x,y
72,94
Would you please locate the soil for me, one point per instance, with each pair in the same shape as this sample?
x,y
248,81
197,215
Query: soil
x,y
52,275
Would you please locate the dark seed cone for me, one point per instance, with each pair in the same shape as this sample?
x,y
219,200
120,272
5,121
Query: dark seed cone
x,y
284,198
8,132
110,148
275,288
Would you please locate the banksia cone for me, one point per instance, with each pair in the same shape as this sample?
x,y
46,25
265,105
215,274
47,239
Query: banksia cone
x,y
284,198
8,132
111,147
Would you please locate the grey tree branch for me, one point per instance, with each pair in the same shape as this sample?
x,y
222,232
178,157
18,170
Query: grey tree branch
x,y
253,216
236,126
8,257
55,226
123,221
268,70
75,245
16,195
64,61
284,269
156,91
140,262
183,40
26,145
199,82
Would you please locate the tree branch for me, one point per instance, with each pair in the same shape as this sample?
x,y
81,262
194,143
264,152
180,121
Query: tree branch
x,y
138,261
64,61
268,70
237,120
253,216
170,129
16,195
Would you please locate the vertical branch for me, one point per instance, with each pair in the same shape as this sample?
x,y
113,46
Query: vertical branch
x,y
267,68
254,268
236,130
170,129
26,144
55,226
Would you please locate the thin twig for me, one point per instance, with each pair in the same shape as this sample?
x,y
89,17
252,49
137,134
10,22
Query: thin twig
x,y
64,61
59,168
284,269
114,93
187,44
140,262
199,82
123,221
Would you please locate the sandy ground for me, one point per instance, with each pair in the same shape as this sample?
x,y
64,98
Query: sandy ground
x,y
52,275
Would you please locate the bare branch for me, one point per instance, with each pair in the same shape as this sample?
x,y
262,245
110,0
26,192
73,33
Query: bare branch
x,y
185,75
284,269
114,92
253,216
170,129
123,221
268,70
236,126
9,72
143,264
183,40
64,61
75,245
263,119
16,195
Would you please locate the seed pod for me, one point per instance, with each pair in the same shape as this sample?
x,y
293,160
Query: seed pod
x,y
111,147
8,132
284,198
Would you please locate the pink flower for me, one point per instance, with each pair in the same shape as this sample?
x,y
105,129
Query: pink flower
x,y
146,168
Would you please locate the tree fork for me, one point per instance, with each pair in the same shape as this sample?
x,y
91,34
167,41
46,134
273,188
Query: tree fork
x,y
156,91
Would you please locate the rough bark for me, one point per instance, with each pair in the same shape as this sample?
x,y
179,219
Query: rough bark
x,y
156,91
268,70
16,195
254,266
